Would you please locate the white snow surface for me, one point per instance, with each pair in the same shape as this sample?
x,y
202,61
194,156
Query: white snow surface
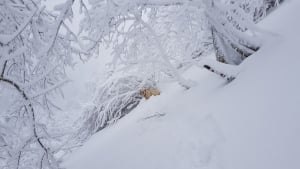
x,y
251,123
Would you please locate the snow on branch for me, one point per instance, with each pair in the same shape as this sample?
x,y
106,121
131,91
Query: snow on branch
x,y
35,48
5,39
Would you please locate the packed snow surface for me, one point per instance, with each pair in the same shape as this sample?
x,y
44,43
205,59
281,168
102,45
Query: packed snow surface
x,y
251,123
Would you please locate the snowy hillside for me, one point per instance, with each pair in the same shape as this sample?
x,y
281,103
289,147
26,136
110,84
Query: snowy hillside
x,y
250,123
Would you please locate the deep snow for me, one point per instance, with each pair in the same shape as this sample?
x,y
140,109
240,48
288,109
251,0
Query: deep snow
x,y
250,123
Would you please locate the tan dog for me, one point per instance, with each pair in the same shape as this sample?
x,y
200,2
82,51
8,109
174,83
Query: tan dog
x,y
147,93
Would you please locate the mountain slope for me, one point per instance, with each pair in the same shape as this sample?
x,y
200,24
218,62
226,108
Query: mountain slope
x,y
252,122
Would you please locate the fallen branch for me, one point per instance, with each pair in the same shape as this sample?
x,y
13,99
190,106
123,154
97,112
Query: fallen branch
x,y
156,115
227,77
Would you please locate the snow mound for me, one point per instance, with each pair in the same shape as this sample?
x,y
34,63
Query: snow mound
x,y
160,133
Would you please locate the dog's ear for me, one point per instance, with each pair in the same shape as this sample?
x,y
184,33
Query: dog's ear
x,y
147,94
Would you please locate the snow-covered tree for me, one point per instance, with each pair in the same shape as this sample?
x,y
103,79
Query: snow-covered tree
x,y
140,38
35,47
160,37
233,32
256,9
235,36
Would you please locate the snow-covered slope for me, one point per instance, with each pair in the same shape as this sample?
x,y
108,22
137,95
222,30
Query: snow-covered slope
x,y
251,123
259,113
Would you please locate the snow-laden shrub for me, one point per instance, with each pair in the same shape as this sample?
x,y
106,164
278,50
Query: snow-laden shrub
x,y
234,33
255,9
113,100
